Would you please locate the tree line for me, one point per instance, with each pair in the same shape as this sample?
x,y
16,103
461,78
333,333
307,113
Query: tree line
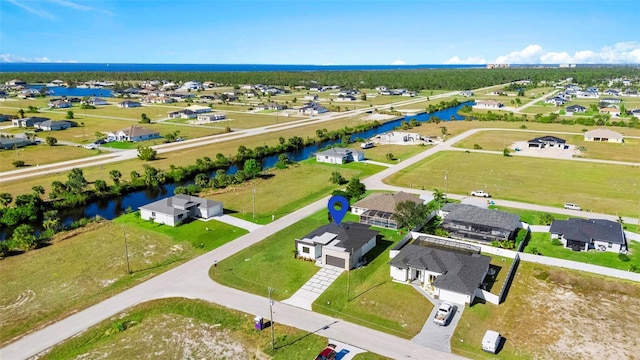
x,y
414,80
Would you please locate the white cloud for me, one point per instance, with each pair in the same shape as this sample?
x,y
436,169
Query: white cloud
x,y
399,62
470,60
10,58
38,12
619,53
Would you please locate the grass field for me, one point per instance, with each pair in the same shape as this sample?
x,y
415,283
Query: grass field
x,y
400,152
542,242
192,329
498,140
531,217
596,187
42,154
554,313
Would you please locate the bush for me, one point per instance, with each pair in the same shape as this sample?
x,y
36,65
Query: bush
x,y
556,242
477,147
18,163
623,257
337,178
546,219
389,156
534,251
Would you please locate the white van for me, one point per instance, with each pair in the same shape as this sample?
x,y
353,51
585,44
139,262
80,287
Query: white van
x,y
491,341
367,145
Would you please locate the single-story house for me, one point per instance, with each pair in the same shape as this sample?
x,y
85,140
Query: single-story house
x,y
211,117
313,108
612,92
129,104
471,222
53,125
339,156
28,122
588,94
5,117
378,209
610,100
95,101
311,97
452,273
133,133
604,135
60,104
342,245
199,109
548,142
584,234
346,98
270,106
183,114
613,111
556,100
178,208
12,143
488,104
575,109
466,93
15,82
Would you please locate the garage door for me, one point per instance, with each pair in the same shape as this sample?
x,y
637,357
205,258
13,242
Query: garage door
x,y
334,261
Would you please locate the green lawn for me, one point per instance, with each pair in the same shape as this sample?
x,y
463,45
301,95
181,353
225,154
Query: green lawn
x,y
542,242
206,235
374,300
600,188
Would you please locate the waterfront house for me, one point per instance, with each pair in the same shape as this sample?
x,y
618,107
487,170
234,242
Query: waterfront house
x,y
179,208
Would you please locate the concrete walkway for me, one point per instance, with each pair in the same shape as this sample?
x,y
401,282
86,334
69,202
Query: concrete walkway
x,y
243,224
378,163
539,228
312,289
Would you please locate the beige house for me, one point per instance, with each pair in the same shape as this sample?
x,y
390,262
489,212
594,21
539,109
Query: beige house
x,y
378,209
488,104
603,135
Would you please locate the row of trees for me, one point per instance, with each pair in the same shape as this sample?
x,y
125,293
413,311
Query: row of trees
x,y
415,80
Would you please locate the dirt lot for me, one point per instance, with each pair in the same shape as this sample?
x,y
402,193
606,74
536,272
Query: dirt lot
x,y
552,313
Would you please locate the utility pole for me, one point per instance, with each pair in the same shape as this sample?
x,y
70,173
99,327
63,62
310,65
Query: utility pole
x,y
254,202
273,341
348,283
126,249
446,185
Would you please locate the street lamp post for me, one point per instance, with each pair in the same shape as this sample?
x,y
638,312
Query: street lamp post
x,y
126,249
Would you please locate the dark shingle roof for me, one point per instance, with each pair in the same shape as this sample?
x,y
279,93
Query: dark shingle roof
x,y
352,236
461,272
584,230
547,139
464,213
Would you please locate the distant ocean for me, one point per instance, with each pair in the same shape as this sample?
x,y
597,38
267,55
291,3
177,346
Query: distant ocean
x,y
118,67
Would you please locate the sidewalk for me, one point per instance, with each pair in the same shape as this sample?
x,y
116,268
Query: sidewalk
x,y
312,289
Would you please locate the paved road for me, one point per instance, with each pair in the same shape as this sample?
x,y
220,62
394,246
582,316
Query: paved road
x,y
191,280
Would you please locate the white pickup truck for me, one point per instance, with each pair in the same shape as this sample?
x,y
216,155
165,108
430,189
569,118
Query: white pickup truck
x,y
445,311
480,193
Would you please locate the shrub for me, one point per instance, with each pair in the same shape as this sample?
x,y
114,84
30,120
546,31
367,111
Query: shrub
x,y
337,178
534,251
623,257
18,163
546,219
389,156
477,147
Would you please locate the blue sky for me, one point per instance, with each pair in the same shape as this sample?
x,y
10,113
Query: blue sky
x,y
320,32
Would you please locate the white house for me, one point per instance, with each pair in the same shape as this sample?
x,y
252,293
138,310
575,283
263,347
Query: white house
x,y
342,245
585,234
603,135
212,117
339,156
52,125
488,104
133,133
178,208
95,101
449,275
313,108
60,104
129,104
311,97
199,109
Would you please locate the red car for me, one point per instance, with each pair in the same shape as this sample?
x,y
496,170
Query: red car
x,y
329,353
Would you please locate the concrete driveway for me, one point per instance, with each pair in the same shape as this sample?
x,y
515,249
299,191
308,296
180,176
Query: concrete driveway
x,y
438,337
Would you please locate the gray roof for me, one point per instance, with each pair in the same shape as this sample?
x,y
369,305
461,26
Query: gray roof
x,y
352,236
547,139
584,230
178,204
336,151
461,272
469,214
54,123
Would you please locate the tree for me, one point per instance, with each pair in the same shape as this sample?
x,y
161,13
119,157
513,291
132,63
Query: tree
x,y
100,186
202,180
252,168
24,238
337,178
355,189
115,176
21,113
18,163
146,153
144,119
443,130
506,152
50,220
410,214
51,141
37,191
439,197
546,219
5,199
69,115
76,181
100,135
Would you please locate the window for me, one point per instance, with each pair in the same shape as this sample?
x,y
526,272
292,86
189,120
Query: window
x,y
305,249
609,244
180,216
153,213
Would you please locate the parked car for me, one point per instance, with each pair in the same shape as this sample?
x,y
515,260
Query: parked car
x,y
91,146
570,206
329,353
444,314
366,145
480,193
491,341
